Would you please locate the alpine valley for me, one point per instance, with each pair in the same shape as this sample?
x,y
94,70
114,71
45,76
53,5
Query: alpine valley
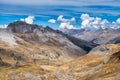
x,y
34,52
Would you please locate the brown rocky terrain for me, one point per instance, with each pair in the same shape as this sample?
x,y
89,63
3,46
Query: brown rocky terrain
x,y
32,52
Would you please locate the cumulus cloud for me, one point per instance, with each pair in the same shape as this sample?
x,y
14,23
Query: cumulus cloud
x,y
3,26
66,23
98,23
29,19
52,21
91,22
115,24
61,19
72,20
118,21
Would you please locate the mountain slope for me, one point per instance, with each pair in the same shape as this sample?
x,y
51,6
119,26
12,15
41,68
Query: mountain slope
x,y
96,67
99,36
87,46
43,34
54,45
32,52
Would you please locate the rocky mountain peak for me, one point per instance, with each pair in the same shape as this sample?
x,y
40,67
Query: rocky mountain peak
x,y
22,27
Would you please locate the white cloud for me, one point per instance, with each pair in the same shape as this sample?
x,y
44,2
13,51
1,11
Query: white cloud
x,y
72,20
66,23
22,19
3,26
116,25
97,23
28,20
104,23
86,21
93,22
52,21
118,21
113,25
60,18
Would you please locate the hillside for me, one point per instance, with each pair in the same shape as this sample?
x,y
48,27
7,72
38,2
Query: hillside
x,y
33,52
89,67
96,67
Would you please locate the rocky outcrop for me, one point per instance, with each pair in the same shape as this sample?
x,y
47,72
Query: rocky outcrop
x,y
1,62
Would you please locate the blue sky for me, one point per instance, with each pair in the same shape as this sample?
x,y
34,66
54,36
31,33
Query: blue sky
x,y
12,10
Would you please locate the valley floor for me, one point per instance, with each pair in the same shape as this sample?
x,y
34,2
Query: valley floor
x,y
88,67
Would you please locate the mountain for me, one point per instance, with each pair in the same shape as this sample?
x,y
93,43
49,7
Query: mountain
x,y
87,46
115,40
99,36
33,52
39,42
22,27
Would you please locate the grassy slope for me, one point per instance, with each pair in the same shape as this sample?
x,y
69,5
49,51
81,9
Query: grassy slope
x,y
88,67
92,67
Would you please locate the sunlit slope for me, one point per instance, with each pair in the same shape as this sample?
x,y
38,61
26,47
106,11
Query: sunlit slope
x,y
97,67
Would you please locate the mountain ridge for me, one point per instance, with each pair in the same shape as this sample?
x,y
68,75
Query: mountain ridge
x,y
100,36
29,29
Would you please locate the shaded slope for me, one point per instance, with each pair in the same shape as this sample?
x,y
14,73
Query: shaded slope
x,y
87,46
99,36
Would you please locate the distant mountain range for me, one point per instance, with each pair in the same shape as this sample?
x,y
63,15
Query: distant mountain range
x,y
100,36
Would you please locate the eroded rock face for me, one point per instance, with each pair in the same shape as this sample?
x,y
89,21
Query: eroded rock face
x,y
116,56
1,62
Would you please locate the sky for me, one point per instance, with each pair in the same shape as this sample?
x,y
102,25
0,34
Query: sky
x,y
62,13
